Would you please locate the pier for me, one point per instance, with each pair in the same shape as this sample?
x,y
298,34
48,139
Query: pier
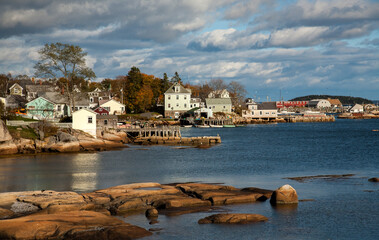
x,y
167,135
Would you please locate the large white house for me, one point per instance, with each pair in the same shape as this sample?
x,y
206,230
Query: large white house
x,y
177,100
219,101
85,120
113,107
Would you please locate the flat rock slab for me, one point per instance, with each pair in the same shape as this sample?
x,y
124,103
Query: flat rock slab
x,y
69,225
233,218
219,194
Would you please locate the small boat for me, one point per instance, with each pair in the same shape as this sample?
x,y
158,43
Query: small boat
x,y
202,126
240,125
229,126
216,126
186,126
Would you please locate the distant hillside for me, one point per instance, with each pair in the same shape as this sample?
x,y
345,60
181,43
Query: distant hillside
x,y
346,100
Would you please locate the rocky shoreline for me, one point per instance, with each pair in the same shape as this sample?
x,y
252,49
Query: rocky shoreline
x,y
48,214
63,141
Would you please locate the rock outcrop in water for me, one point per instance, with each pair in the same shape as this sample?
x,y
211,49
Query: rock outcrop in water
x,y
284,195
49,214
233,218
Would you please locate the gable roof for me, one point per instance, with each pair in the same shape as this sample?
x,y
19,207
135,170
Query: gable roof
x,y
40,88
182,89
218,101
334,101
15,85
85,109
47,100
267,106
108,101
218,93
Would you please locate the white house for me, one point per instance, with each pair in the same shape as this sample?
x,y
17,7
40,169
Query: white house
x,y
85,120
113,107
196,103
219,101
177,100
319,103
357,108
265,110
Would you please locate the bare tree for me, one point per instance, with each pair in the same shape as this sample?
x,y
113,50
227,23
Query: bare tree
x,y
63,61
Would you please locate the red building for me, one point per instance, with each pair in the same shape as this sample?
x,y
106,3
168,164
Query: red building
x,y
286,104
101,111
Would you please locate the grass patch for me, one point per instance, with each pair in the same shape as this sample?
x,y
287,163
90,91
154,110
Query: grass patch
x,y
18,132
18,118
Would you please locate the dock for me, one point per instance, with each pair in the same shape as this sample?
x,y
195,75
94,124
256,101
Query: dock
x,y
169,135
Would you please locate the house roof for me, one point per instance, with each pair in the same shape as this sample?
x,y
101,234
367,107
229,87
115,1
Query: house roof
x,y
15,85
85,109
218,93
12,99
41,98
334,101
182,89
40,88
267,106
55,97
110,101
216,101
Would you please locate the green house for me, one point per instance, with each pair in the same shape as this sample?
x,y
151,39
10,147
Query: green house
x,y
41,108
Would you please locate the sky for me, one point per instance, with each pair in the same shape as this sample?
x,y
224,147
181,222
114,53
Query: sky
x,y
276,49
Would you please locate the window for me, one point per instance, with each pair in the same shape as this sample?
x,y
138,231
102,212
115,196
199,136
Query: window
x,y
89,119
169,97
105,122
177,97
213,107
185,97
177,104
91,99
177,89
169,105
185,105
191,105
59,108
260,112
224,107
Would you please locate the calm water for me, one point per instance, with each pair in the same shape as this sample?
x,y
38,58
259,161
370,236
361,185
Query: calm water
x,y
254,156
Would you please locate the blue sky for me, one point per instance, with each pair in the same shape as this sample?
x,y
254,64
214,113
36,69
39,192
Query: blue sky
x,y
293,47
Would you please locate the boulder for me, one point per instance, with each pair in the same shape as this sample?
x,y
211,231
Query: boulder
x,y
151,213
374,179
63,147
69,225
284,195
233,218
7,148
22,208
4,133
25,145
65,137
111,137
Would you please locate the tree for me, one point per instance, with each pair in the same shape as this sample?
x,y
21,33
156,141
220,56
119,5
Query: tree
x,y
176,78
4,84
217,84
133,85
58,60
237,92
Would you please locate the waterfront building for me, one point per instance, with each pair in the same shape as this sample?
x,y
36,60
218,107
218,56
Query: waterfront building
x,y
287,104
43,108
335,103
177,100
319,103
85,120
264,110
106,121
357,108
219,101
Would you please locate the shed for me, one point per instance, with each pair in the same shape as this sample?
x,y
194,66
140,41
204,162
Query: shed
x,y
85,120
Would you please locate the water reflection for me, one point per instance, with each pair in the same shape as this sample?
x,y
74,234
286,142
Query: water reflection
x,y
85,169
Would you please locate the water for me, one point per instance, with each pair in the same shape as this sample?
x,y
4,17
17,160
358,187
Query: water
x,y
254,156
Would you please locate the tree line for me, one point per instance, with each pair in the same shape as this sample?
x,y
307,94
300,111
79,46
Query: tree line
x,y
64,65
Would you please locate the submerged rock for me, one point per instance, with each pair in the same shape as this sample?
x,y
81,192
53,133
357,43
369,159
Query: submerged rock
x,y
374,179
284,195
233,218
151,213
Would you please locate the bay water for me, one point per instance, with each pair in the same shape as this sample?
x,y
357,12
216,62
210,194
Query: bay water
x,y
261,156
